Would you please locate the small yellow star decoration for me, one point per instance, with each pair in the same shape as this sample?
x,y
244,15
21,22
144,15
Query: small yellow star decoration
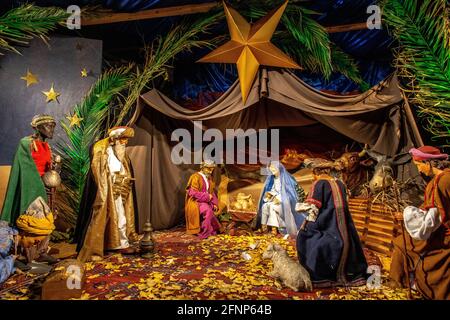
x,y
51,95
74,120
30,78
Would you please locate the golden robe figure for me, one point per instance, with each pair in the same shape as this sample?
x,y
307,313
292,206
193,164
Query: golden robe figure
x,y
107,221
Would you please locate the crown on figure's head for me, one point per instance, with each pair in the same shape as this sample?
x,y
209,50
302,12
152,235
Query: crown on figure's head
x,y
41,119
121,132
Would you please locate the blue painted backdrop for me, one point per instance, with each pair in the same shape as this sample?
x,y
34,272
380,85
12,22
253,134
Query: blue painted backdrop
x,y
370,48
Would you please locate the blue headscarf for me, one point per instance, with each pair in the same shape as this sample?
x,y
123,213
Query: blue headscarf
x,y
292,220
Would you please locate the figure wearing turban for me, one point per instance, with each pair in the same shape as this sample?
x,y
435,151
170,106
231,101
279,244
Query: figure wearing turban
x,y
201,203
106,220
25,205
425,253
328,245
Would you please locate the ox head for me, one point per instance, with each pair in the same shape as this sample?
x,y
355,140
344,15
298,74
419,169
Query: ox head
x,y
383,176
350,161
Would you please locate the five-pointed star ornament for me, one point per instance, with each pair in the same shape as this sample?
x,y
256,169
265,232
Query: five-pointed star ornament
x,y
250,46
30,78
51,95
74,120
84,73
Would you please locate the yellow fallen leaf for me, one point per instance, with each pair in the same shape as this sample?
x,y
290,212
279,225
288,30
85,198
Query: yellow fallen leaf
x,y
85,296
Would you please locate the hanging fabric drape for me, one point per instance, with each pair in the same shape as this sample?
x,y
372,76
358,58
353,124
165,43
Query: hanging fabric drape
x,y
278,99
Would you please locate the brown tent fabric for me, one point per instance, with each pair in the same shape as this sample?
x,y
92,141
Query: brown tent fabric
x,y
278,99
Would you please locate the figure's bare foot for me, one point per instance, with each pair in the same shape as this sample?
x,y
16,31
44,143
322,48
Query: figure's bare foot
x,y
95,258
274,231
393,284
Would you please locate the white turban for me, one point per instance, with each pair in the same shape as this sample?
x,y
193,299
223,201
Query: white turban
x,y
207,163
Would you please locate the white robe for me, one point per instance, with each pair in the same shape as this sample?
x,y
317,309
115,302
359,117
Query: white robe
x,y
115,166
270,210
419,223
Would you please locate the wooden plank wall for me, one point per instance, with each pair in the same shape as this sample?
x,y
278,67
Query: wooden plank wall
x,y
375,224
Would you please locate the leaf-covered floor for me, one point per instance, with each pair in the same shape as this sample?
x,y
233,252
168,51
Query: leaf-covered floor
x,y
184,267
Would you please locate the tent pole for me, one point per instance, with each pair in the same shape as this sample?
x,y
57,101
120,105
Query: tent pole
x,y
411,119
150,214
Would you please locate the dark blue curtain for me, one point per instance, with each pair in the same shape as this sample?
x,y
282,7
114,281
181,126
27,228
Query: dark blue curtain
x,y
371,49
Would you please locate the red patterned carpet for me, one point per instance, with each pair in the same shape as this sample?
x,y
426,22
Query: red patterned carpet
x,y
184,267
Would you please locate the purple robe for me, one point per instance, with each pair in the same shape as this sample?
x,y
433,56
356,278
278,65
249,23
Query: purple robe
x,y
209,222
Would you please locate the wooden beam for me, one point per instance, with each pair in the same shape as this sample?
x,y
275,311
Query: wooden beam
x,y
114,17
347,27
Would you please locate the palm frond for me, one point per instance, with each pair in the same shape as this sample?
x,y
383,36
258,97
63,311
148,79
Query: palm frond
x,y
75,151
305,40
341,62
312,35
19,25
183,37
422,29
344,64
301,28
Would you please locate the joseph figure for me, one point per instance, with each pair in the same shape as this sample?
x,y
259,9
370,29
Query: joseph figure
x,y
201,203
25,205
106,221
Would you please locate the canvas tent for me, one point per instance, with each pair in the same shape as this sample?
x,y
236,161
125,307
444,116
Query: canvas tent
x,y
278,99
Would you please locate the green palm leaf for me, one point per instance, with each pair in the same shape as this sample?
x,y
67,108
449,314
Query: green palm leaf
x,y
344,64
301,31
19,25
423,59
183,37
341,62
75,155
305,40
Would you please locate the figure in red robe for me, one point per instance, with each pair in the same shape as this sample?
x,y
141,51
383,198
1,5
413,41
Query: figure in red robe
x,y
423,256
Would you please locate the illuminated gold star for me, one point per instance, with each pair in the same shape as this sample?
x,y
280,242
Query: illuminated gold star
x,y
84,73
74,120
30,78
51,95
250,46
